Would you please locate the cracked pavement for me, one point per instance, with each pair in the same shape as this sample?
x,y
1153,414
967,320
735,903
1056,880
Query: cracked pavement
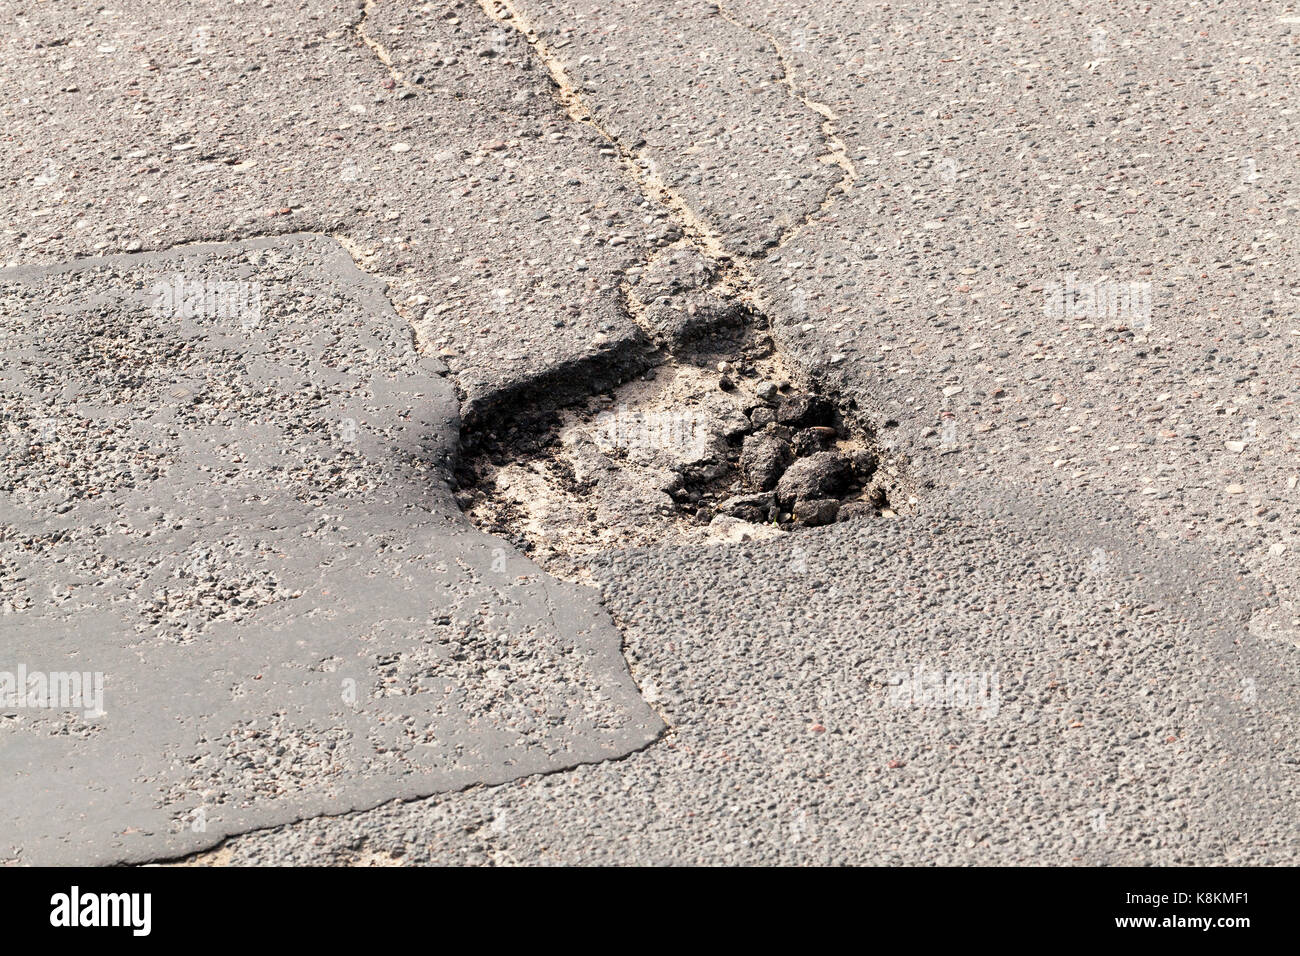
x,y
1075,642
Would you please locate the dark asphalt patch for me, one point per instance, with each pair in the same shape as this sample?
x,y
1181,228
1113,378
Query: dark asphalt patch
x,y
225,500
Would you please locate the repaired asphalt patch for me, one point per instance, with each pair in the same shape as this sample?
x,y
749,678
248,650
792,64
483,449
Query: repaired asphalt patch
x,y
225,503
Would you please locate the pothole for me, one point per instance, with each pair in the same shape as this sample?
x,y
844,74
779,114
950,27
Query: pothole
x,y
717,441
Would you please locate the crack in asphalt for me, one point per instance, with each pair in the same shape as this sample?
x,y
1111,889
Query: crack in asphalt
x,y
735,277
839,150
205,857
377,48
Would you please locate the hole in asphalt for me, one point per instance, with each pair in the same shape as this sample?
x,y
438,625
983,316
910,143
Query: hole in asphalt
x,y
716,441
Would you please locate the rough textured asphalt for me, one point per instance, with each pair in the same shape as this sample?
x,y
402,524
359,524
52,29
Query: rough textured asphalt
x,y
1101,746
1105,509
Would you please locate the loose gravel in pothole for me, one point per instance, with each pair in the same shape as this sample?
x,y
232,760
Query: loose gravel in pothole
x,y
718,444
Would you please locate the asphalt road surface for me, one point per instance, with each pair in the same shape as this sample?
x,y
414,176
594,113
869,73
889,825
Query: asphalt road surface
x,y
982,324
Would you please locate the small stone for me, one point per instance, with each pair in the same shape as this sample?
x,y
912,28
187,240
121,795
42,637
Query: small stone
x,y
809,441
749,507
762,459
804,411
670,483
816,511
864,464
762,416
766,391
852,510
706,470
1235,490
822,475
877,494
734,424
